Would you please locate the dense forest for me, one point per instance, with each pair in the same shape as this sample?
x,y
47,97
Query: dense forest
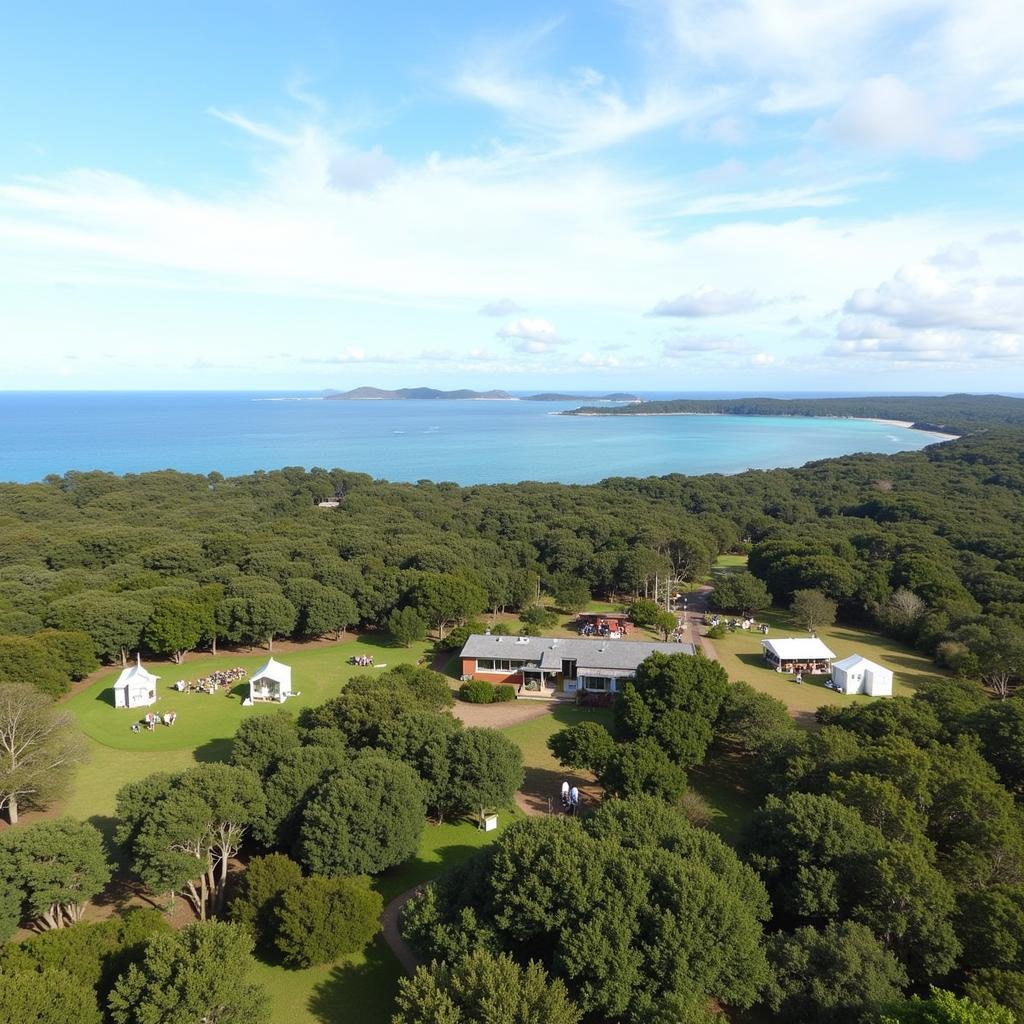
x,y
877,876
954,413
928,545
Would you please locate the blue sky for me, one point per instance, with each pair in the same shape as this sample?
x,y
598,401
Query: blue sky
x,y
744,195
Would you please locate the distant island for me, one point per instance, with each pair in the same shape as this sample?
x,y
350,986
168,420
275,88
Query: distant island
x,y
464,395
952,414
554,396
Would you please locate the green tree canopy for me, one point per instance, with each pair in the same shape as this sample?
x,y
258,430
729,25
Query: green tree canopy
x,y
198,974
363,818
483,986
320,919
57,865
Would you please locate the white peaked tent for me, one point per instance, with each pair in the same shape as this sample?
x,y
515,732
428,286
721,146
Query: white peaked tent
x,y
135,687
858,675
272,682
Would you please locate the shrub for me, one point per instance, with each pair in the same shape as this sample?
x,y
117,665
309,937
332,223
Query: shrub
x,y
503,694
320,919
259,894
539,617
716,632
477,691
460,634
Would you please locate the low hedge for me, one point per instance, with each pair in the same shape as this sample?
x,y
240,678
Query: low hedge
x,y
479,691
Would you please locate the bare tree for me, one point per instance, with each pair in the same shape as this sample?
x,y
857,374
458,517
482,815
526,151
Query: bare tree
x,y
39,747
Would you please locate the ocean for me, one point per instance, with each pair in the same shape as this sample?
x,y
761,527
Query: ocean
x,y
467,442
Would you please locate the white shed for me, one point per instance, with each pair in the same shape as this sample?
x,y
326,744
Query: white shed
x,y
858,675
272,682
135,687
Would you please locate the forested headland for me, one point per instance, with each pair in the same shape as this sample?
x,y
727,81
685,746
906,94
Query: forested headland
x,y
956,414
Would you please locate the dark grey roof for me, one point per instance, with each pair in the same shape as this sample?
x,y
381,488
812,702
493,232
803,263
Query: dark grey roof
x,y
588,652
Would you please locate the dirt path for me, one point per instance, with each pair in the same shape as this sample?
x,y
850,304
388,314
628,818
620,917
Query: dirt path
x,y
501,716
391,931
696,606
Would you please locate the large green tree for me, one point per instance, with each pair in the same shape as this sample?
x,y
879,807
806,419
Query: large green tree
x,y
181,831
320,919
57,866
200,974
483,986
363,818
39,749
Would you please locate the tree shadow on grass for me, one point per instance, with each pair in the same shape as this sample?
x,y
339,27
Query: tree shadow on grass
x,y
542,789
354,993
417,870
218,749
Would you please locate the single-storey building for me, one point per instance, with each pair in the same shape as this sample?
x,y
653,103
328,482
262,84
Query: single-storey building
x,y
543,665
272,682
135,687
859,675
798,654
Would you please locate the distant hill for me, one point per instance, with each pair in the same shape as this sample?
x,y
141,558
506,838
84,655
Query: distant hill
x,y
554,396
417,394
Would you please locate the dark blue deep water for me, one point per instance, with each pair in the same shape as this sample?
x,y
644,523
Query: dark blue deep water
x,y
466,442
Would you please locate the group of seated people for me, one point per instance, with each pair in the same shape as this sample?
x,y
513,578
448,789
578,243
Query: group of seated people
x,y
734,624
212,682
151,720
365,660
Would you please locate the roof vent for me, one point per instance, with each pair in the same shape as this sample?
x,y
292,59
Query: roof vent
x,y
522,639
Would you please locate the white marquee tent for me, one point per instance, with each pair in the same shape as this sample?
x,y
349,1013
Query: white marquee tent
x,y
272,682
135,687
858,675
798,654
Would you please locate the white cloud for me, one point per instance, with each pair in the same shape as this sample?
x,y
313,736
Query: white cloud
x,y
762,359
925,314
728,130
956,256
602,362
885,113
360,171
534,334
685,344
500,307
706,302
923,296
1013,236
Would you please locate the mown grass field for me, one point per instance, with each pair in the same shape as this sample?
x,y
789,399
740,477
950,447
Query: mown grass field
x,y
741,655
355,990
206,722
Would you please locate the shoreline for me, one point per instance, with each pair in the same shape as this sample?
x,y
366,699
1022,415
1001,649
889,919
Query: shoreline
x,y
907,424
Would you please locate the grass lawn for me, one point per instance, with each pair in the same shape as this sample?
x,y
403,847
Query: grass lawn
x,y
207,722
441,847
741,655
359,989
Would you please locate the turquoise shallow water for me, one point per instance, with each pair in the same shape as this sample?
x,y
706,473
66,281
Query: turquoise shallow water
x,y
465,442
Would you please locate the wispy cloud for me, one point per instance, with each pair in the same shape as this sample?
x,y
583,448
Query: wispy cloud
x,y
707,302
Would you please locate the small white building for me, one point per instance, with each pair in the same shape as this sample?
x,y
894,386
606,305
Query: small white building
x,y
858,675
135,687
272,682
798,654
